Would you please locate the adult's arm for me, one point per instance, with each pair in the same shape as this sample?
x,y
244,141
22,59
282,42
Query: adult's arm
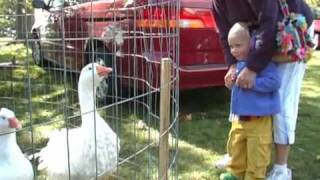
x,y
264,36
223,26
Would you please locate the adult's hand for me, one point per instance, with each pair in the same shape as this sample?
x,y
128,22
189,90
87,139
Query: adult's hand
x,y
246,78
229,78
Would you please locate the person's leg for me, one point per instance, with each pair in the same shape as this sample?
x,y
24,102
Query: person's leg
x,y
282,148
224,159
282,153
285,121
236,148
259,145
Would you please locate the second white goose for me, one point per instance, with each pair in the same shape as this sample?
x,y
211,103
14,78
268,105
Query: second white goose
x,y
93,147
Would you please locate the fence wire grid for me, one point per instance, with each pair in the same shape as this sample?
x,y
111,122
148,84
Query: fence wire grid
x,y
47,43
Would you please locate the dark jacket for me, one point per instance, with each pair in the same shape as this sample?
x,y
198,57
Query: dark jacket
x,y
264,14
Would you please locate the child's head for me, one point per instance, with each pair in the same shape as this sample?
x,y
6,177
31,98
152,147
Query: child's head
x,y
239,41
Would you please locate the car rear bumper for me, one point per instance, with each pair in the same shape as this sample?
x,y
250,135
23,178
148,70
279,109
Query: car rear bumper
x,y
200,76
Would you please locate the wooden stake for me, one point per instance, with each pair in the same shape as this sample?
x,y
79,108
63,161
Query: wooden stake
x,y
164,117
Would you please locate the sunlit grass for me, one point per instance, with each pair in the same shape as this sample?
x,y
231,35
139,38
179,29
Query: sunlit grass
x,y
17,51
304,158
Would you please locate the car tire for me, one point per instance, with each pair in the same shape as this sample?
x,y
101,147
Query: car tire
x,y
37,54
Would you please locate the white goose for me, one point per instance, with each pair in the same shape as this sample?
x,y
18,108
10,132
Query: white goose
x,y
13,164
82,155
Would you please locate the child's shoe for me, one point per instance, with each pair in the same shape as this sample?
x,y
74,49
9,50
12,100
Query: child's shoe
x,y
227,176
223,162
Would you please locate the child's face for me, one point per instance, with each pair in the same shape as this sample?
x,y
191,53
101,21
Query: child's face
x,y
239,46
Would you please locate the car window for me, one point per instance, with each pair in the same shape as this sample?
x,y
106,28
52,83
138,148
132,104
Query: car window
x,y
71,2
55,3
83,1
61,3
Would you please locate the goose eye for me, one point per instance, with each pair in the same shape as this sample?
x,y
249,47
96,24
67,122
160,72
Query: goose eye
x,y
90,68
2,118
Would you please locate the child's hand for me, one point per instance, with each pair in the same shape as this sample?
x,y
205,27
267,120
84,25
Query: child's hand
x,y
233,78
230,77
246,78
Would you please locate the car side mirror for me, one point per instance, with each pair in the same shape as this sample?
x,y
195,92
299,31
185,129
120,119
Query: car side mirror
x,y
39,4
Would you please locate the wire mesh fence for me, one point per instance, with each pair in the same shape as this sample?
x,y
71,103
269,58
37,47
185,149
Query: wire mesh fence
x,y
45,44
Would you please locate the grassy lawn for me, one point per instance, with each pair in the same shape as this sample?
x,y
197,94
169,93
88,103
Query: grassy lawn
x,y
203,126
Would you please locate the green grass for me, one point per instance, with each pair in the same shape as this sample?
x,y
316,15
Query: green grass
x,y
203,132
305,158
203,126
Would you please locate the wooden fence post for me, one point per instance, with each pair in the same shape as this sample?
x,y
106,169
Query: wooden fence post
x,y
165,87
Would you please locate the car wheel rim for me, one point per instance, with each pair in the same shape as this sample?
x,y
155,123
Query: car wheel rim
x,y
36,53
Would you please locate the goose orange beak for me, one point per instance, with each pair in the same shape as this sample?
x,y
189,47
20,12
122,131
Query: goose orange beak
x,y
103,71
14,123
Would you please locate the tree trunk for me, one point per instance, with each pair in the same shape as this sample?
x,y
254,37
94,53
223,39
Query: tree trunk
x,y
20,20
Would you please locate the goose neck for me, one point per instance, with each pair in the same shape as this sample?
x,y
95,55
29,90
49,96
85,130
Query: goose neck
x,y
7,141
87,99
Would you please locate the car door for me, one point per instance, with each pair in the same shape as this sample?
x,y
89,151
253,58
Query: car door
x,y
56,45
74,35
47,23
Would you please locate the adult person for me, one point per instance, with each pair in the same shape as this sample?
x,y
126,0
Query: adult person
x,y
264,15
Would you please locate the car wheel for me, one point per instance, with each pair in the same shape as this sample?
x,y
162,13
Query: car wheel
x,y
37,54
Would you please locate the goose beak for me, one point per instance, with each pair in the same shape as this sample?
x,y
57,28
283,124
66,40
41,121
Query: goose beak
x,y
103,71
14,123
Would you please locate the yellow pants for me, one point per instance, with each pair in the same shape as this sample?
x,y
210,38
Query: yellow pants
x,y
249,146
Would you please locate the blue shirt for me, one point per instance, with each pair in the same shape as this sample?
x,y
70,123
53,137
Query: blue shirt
x,y
263,98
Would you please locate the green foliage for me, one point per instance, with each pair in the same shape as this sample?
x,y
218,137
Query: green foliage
x,y
9,13
316,12
313,3
315,7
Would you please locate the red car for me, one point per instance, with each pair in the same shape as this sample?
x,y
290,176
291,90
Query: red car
x,y
128,38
